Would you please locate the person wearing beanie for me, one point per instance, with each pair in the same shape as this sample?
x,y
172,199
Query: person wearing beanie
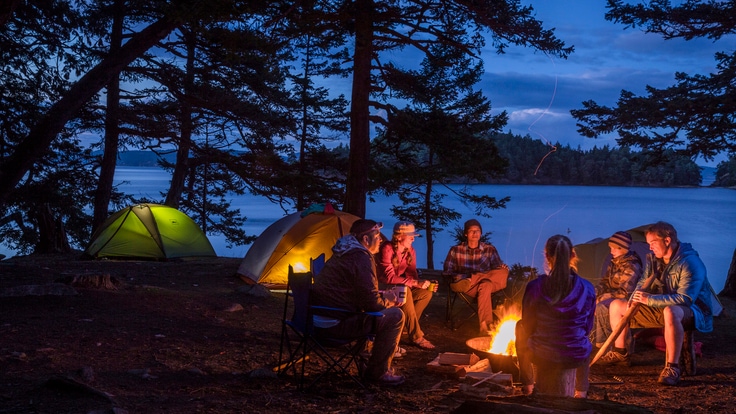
x,y
476,270
348,282
397,265
617,284
681,303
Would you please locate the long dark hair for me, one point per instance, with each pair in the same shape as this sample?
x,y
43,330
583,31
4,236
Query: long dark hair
x,y
396,258
562,262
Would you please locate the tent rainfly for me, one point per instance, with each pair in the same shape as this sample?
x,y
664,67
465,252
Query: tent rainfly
x,y
594,256
293,240
149,231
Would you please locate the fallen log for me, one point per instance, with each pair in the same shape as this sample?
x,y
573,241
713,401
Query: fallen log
x,y
546,405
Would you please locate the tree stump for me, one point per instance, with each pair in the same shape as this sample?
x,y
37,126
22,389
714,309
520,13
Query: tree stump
x,y
555,380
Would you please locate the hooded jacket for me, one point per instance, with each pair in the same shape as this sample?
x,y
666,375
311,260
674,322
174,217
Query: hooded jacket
x,y
622,276
684,282
348,280
559,332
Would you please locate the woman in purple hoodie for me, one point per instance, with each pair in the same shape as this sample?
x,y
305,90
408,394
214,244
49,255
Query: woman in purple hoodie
x,y
557,316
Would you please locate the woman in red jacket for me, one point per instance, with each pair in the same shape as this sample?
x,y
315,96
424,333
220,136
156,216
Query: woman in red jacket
x,y
397,265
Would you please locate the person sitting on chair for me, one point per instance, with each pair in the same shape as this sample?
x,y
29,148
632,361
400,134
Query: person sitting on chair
x,y
348,281
397,265
679,299
477,271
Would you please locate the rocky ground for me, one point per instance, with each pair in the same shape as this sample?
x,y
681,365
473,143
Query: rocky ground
x,y
191,337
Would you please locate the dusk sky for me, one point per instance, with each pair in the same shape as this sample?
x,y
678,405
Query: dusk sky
x,y
538,92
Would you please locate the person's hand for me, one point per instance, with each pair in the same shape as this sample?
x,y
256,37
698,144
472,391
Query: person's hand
x,y
390,296
422,284
640,297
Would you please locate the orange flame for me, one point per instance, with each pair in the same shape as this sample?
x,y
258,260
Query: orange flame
x,y
503,338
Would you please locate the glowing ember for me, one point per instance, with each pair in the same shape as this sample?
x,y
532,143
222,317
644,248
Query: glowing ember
x,y
504,338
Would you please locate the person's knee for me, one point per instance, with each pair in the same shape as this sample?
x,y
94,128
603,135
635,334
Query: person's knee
x,y
393,316
673,315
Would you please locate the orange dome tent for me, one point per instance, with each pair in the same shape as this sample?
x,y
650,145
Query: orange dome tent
x,y
293,240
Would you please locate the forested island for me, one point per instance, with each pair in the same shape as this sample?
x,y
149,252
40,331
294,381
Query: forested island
x,y
531,161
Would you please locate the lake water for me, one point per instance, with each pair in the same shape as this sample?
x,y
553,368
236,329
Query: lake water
x,y
705,217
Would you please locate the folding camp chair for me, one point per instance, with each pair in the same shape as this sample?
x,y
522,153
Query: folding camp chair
x,y
456,316
338,355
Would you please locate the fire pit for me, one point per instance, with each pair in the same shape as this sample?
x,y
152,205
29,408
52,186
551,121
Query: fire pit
x,y
499,362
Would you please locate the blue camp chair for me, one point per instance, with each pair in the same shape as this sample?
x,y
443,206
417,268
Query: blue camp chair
x,y
300,341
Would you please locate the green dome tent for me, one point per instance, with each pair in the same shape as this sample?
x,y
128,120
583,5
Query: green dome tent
x,y
149,231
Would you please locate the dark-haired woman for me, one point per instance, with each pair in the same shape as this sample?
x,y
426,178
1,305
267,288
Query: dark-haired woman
x,y
558,310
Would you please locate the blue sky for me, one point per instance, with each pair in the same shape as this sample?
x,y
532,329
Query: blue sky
x,y
538,92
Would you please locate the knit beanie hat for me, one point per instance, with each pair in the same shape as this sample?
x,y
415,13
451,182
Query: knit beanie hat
x,y
470,223
621,239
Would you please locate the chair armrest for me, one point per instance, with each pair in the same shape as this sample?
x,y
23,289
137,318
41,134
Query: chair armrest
x,y
347,312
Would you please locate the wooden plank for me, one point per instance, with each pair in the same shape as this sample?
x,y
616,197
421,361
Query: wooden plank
x,y
630,312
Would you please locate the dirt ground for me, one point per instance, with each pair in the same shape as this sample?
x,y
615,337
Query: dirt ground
x,y
188,337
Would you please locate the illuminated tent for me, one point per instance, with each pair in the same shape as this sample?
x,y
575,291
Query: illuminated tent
x,y
293,240
149,231
595,255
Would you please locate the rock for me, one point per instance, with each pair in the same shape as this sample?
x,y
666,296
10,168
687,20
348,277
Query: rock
x,y
235,307
255,290
262,373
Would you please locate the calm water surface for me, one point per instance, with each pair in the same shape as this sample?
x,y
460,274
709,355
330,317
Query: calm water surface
x,y
705,217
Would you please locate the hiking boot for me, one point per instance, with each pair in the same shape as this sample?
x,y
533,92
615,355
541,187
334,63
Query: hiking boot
x,y
687,356
388,379
669,376
615,358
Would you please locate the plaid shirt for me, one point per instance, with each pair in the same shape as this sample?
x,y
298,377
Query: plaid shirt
x,y
462,259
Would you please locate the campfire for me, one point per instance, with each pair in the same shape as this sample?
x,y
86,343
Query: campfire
x,y
499,346
503,337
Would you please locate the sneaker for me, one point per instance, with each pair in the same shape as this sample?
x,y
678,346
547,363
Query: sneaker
x,y
423,343
687,356
400,352
389,379
669,376
615,358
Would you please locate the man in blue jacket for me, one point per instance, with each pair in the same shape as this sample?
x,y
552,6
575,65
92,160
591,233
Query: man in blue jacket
x,y
679,299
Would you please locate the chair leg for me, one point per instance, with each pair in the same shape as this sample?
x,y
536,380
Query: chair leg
x,y
452,314
687,356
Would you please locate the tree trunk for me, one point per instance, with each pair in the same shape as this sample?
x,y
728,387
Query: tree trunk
x,y
429,229
357,179
112,127
729,290
51,233
181,169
